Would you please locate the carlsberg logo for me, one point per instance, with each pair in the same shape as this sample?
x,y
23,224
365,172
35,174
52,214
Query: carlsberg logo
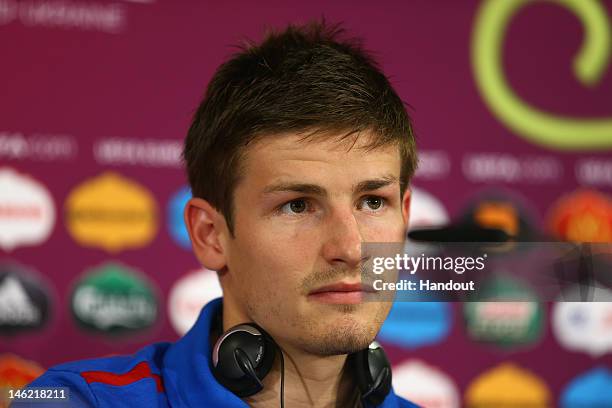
x,y
107,310
114,298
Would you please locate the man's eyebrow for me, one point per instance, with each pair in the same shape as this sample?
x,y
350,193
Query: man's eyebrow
x,y
303,188
374,184
314,189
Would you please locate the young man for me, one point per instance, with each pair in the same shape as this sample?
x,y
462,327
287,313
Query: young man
x,y
300,152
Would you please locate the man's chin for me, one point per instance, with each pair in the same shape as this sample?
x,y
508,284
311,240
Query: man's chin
x,y
351,308
338,344
361,307
344,335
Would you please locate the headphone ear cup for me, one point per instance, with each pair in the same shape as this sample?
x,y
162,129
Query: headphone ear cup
x,y
372,372
242,357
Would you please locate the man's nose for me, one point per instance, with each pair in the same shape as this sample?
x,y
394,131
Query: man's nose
x,y
342,241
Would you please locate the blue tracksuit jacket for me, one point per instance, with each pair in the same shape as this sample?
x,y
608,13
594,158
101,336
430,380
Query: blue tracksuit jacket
x,y
158,376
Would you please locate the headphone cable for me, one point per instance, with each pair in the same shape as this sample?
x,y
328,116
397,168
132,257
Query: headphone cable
x,y
282,384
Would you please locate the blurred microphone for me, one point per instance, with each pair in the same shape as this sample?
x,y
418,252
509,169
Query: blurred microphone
x,y
459,233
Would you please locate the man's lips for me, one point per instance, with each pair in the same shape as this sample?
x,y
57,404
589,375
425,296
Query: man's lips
x,y
344,287
341,293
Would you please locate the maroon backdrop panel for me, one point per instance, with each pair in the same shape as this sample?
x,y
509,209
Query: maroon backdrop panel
x,y
88,89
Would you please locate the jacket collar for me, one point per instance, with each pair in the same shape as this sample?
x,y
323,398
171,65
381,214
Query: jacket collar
x,y
187,369
188,375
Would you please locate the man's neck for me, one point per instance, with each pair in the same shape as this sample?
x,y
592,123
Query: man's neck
x,y
310,381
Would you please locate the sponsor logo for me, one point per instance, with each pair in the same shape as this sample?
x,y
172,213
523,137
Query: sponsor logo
x,y
16,373
433,165
582,216
176,222
508,386
501,322
497,215
508,168
425,385
416,324
86,16
504,210
24,300
8,11
39,147
114,299
591,389
594,172
426,210
188,295
27,212
111,212
585,326
138,152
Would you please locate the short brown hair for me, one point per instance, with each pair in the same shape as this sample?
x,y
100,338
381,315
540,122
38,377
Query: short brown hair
x,y
307,79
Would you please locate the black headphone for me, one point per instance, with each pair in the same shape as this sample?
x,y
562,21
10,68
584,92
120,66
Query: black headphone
x,y
244,355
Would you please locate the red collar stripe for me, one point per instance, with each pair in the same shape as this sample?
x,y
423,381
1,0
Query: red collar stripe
x,y
140,371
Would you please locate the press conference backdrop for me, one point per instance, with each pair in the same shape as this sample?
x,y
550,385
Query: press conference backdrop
x,y
512,104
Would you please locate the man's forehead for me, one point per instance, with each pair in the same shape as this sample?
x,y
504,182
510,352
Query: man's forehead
x,y
320,166
323,148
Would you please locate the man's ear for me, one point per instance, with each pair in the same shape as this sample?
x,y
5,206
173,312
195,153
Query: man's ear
x,y
205,226
406,205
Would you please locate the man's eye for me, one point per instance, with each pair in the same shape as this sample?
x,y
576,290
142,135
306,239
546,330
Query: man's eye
x,y
295,207
374,203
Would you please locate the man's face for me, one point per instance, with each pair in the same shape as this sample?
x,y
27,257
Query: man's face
x,y
302,211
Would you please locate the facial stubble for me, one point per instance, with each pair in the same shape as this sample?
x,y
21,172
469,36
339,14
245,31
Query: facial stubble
x,y
325,329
